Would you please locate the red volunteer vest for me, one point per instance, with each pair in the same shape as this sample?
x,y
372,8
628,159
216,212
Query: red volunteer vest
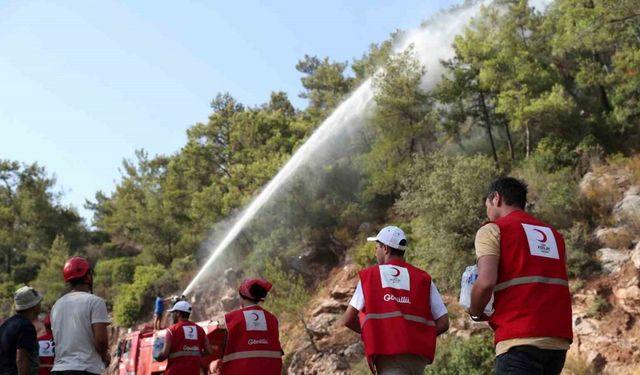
x,y
46,353
253,343
532,296
396,318
187,344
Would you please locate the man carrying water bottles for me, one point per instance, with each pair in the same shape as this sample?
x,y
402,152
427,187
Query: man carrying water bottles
x,y
184,344
400,310
521,260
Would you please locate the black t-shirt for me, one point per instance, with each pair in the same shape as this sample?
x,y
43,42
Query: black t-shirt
x,y
16,333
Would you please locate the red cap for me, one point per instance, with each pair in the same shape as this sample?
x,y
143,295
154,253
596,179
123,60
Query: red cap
x,y
75,268
245,288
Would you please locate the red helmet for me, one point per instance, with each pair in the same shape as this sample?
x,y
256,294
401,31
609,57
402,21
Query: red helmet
x,y
75,268
245,288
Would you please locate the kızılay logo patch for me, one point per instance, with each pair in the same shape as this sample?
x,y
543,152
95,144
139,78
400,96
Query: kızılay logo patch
x,y
395,277
542,242
255,320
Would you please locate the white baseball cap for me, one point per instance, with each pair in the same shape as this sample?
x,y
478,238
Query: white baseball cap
x,y
26,297
183,306
391,236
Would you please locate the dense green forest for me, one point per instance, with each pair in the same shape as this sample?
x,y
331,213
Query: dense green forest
x,y
542,96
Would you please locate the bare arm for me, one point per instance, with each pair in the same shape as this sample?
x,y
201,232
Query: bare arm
x,y
22,362
101,338
166,349
442,324
350,319
483,287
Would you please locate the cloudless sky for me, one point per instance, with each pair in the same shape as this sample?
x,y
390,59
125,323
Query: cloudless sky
x,y
84,83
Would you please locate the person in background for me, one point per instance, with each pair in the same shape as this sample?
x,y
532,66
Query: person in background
x,y
401,311
185,343
18,340
522,261
157,312
46,346
79,322
253,340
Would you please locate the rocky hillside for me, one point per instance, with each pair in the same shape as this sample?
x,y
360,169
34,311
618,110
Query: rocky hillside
x,y
606,302
606,305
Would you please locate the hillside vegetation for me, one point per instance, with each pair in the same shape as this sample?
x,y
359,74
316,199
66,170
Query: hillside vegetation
x,y
545,97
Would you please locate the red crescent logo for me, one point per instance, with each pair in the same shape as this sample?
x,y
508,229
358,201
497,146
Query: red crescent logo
x,y
544,236
397,272
47,345
256,316
191,330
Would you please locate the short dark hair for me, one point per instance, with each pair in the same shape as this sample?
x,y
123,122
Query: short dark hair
x,y
394,251
77,281
258,291
512,190
183,314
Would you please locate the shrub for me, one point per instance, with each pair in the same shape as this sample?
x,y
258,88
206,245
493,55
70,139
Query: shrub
x,y
7,290
598,307
605,187
456,355
444,255
49,280
289,297
364,254
128,307
110,274
552,195
597,198
443,196
579,249
553,154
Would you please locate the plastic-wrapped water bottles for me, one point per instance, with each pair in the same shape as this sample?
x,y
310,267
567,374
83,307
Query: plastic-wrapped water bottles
x,y
158,344
469,277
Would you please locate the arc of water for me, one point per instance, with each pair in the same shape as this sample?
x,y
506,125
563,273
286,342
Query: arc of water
x,y
432,45
348,111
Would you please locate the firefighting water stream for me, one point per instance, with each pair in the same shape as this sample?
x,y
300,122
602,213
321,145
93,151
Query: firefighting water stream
x,y
432,44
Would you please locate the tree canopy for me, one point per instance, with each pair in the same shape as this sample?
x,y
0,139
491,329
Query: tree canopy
x,y
526,93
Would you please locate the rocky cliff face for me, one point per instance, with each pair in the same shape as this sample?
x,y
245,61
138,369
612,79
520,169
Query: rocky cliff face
x,y
606,306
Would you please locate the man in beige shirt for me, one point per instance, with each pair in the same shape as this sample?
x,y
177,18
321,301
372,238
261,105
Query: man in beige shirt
x,y
526,354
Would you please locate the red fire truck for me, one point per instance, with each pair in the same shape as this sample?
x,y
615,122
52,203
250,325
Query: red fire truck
x,y
136,350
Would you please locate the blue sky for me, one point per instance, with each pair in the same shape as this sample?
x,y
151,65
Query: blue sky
x,y
85,83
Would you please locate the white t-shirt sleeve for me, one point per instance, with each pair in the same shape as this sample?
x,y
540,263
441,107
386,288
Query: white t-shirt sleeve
x,y
438,309
99,311
357,301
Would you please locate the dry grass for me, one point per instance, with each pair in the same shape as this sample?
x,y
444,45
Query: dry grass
x,y
607,186
577,365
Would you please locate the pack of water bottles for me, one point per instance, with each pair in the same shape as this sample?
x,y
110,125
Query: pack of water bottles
x,y
158,344
469,277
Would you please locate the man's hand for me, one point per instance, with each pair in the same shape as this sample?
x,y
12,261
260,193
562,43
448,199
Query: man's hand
x,y
106,360
483,287
350,319
22,362
482,317
101,341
